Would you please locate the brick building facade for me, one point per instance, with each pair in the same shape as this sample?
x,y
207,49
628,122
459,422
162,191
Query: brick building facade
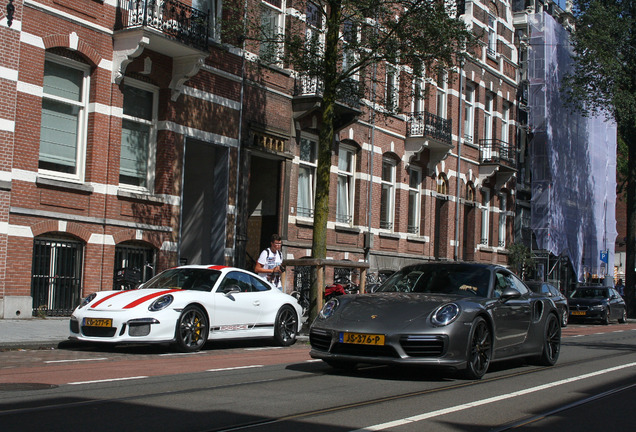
x,y
132,137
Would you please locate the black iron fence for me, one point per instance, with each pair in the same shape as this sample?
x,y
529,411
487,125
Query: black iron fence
x,y
173,18
56,280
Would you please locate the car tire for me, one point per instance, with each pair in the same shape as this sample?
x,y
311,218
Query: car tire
x,y
479,351
623,318
551,342
564,317
286,326
606,317
192,329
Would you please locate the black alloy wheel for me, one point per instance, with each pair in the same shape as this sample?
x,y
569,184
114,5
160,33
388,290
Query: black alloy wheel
x,y
623,318
286,326
192,329
551,342
479,350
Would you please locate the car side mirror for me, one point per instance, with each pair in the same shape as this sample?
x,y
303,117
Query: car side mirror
x,y
509,294
231,289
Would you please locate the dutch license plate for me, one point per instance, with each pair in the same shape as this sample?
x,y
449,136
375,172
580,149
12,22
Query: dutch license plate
x,y
578,312
98,322
362,339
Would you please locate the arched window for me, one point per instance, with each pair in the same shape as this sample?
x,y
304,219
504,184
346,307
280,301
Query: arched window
x,y
442,185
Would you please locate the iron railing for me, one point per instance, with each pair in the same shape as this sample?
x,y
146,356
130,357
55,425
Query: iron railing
x,y
177,20
56,279
497,151
423,123
347,93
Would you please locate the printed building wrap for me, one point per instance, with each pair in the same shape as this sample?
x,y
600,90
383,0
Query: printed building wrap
x,y
573,160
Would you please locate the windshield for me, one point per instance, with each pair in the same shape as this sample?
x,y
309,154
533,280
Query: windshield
x,y
197,279
590,293
439,279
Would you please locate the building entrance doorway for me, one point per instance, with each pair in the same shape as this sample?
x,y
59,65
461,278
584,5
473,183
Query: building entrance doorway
x,y
204,204
263,218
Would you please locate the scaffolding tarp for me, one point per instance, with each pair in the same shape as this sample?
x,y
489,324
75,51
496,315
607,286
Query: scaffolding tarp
x,y
573,160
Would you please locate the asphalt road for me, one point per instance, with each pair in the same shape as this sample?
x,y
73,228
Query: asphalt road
x,y
255,387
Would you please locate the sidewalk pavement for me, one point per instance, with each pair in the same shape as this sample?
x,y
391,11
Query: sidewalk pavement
x,y
33,333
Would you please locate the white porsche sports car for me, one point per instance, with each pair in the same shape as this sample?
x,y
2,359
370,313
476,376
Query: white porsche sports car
x,y
188,306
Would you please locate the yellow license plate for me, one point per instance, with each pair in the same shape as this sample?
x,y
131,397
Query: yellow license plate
x,y
578,312
98,322
362,339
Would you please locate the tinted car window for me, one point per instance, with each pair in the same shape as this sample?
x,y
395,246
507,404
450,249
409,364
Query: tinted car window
x,y
259,285
235,280
590,293
185,278
439,279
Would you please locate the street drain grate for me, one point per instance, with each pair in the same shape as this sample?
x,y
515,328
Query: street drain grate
x,y
25,386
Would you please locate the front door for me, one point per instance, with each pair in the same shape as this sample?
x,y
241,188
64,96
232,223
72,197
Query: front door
x,y
204,204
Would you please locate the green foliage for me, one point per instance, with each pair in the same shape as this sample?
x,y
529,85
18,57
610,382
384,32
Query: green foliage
x,y
520,258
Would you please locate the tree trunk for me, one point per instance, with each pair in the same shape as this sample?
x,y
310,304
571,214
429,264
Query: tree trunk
x,y
630,273
325,145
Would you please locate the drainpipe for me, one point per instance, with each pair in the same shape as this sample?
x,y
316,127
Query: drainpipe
x,y
459,156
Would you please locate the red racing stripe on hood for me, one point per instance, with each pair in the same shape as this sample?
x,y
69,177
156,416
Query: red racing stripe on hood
x,y
106,298
148,297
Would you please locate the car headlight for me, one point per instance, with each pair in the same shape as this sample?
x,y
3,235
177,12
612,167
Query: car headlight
x,y
445,314
597,307
329,308
87,300
161,303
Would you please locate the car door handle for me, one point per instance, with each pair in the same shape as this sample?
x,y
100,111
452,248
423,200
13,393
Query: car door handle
x,y
256,302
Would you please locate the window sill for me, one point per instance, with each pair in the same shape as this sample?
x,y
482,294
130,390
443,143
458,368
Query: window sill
x,y
416,238
304,221
5,185
136,195
347,228
389,235
63,184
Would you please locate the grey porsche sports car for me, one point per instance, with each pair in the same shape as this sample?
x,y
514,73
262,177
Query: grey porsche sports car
x,y
458,315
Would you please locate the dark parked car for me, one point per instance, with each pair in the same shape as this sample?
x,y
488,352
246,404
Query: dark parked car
x,y
560,300
597,303
455,315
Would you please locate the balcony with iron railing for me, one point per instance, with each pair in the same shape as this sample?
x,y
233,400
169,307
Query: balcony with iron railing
x,y
497,161
425,130
308,93
425,124
170,18
167,27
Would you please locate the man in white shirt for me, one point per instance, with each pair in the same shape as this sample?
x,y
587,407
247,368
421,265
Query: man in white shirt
x,y
268,266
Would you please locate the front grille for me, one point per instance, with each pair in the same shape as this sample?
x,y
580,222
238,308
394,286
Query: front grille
x,y
104,332
364,350
139,329
423,346
74,326
579,308
320,340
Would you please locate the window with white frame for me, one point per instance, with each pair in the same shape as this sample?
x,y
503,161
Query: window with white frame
x,y
505,130
415,200
313,29
272,30
350,40
306,178
138,135
492,36
214,9
387,198
469,112
441,95
485,216
502,221
346,167
65,93
418,88
487,148
392,88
